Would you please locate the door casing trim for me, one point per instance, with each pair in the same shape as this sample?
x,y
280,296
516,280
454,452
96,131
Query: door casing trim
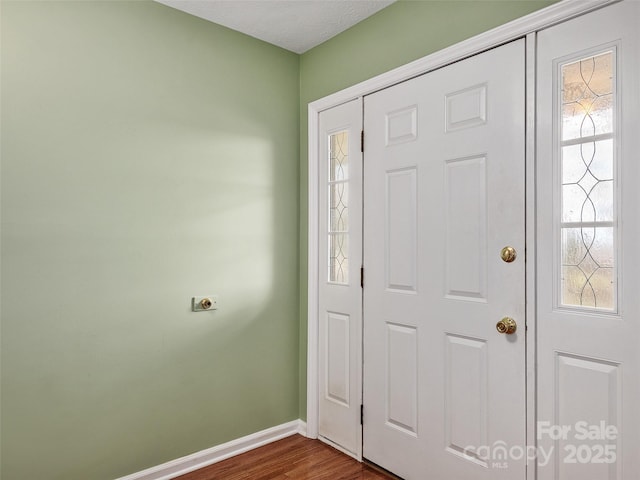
x,y
525,27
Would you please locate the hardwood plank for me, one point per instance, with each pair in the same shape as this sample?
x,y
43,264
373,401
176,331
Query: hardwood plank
x,y
293,458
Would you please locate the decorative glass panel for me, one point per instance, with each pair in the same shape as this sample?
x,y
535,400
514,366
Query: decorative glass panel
x,y
339,156
587,97
588,267
338,196
338,261
587,182
338,207
588,216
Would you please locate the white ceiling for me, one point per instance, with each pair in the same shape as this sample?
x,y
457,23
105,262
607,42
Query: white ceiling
x,y
296,25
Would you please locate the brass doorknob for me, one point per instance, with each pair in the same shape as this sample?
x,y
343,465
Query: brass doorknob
x,y
507,326
508,254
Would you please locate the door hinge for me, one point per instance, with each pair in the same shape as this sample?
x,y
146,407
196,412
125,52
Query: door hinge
x,y
361,277
361,141
361,414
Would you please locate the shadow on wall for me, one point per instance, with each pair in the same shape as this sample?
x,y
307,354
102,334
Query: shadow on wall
x,y
147,157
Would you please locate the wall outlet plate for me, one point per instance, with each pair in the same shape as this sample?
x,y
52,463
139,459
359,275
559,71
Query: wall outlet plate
x,y
205,303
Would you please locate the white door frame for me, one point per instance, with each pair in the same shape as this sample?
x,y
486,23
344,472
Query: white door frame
x,y
522,27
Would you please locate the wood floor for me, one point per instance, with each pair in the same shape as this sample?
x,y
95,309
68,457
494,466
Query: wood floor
x,y
294,457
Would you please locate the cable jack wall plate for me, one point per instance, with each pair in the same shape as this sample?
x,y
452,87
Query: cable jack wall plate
x,y
204,304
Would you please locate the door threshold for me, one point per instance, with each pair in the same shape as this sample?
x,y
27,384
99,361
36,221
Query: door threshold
x,y
378,468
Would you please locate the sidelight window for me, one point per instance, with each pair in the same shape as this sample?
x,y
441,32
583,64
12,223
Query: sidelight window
x,y
338,221
587,211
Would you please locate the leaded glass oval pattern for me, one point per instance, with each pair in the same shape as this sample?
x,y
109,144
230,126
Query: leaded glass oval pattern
x,y
338,196
587,97
588,218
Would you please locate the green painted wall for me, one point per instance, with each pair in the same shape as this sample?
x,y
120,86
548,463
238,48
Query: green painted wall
x,y
147,156
399,34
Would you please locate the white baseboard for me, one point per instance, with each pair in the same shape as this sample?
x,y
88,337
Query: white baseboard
x,y
180,466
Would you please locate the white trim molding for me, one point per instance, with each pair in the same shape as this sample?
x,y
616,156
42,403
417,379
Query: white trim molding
x,y
204,458
312,275
519,28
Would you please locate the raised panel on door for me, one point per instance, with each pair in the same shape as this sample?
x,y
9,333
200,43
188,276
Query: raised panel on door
x,y
466,397
582,456
588,232
337,361
465,187
400,227
402,378
443,193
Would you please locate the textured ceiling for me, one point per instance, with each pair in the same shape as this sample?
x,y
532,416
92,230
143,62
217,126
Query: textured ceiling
x,y
295,25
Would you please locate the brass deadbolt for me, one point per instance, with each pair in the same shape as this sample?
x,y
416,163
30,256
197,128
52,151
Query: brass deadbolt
x,y
508,254
206,303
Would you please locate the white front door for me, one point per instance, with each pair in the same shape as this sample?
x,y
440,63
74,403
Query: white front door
x,y
588,174
339,291
444,193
